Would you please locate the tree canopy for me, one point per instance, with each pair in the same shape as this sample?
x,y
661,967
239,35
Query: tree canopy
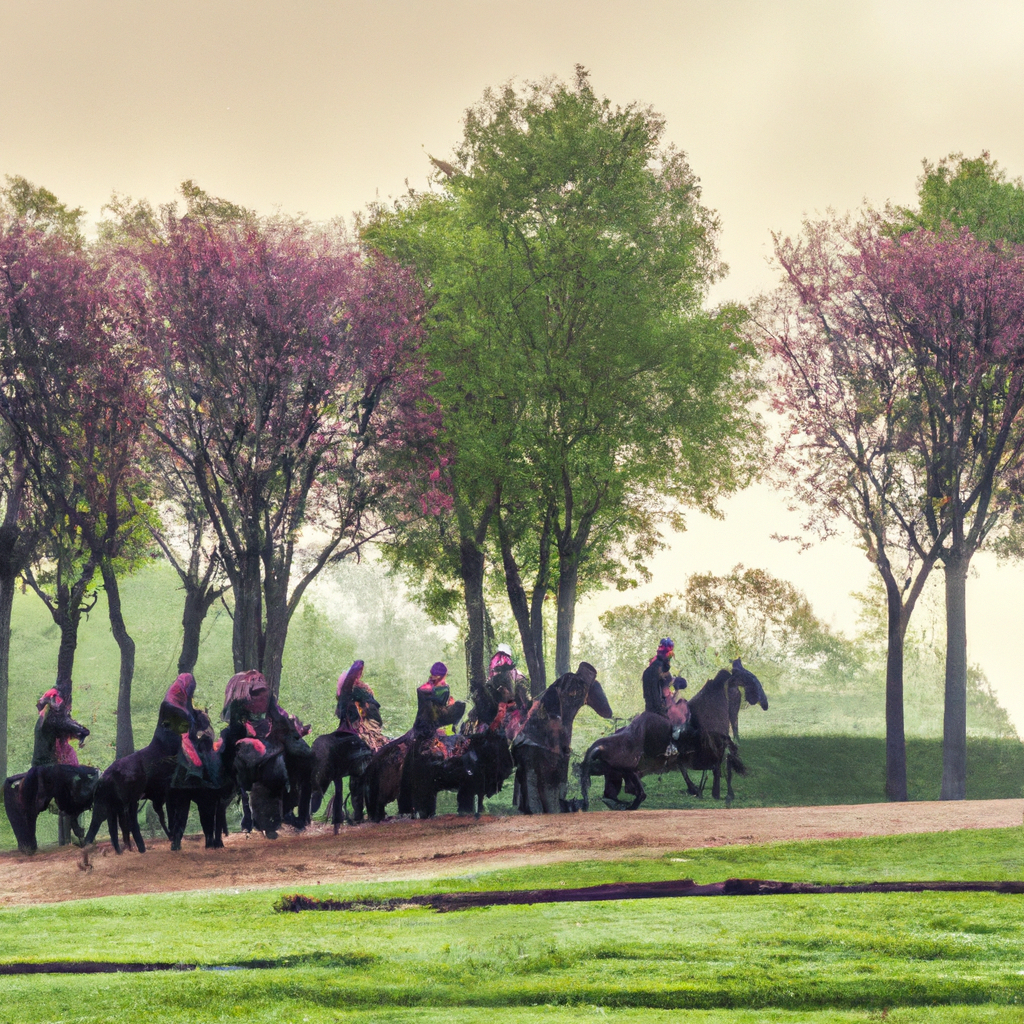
x,y
586,393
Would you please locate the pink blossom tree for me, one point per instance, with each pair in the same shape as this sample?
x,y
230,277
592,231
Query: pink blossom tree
x,y
900,371
73,401
287,386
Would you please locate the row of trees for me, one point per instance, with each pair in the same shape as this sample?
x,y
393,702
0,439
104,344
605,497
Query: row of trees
x,y
512,377
255,380
897,341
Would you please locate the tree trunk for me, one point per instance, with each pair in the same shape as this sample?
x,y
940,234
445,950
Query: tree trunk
x,y
523,614
273,650
247,625
197,604
954,719
540,593
7,582
895,735
568,578
472,564
67,622
125,741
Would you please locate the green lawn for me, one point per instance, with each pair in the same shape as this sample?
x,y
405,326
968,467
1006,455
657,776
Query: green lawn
x,y
923,956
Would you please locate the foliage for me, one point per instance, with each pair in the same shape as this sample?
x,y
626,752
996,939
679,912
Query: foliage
x,y
568,256
900,372
286,377
74,402
961,192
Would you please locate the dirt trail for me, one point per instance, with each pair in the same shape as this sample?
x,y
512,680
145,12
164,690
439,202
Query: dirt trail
x,y
450,845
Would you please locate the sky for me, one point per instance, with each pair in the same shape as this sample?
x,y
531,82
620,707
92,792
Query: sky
x,y
785,110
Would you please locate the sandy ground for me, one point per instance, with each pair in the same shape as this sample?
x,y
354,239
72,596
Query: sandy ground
x,y
450,845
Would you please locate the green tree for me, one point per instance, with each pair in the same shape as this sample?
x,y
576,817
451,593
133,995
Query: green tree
x,y
568,257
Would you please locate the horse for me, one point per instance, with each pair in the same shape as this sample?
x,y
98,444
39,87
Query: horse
x,y
71,787
542,747
475,764
713,717
203,775
385,779
336,755
143,775
653,744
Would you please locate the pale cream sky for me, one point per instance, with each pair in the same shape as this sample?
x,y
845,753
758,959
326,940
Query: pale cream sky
x,y
784,108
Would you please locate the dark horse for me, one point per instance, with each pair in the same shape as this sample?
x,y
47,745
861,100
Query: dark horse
x,y
143,775
336,755
474,764
70,787
385,778
542,747
652,744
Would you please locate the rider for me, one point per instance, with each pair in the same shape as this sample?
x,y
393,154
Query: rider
x,y
505,685
435,706
658,679
357,709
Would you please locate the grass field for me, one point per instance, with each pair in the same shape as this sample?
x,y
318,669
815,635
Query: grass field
x,y
907,957
901,958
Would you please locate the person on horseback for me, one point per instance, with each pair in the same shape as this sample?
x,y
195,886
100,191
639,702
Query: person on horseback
x,y
435,706
658,679
505,685
357,709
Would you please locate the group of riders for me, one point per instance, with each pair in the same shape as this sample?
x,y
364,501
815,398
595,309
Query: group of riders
x,y
259,728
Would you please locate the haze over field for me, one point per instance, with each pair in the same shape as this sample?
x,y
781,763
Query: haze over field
x,y
784,109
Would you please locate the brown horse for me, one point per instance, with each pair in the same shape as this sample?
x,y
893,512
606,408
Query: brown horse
x,y
542,747
652,744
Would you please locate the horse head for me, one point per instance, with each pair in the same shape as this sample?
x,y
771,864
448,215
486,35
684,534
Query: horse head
x,y
581,688
752,688
597,700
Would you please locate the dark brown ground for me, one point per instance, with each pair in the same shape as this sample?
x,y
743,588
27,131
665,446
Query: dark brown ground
x,y
446,845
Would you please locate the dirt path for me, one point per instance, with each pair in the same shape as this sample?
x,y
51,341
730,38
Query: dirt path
x,y
450,845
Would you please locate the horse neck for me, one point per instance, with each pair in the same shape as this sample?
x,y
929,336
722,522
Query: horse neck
x,y
710,705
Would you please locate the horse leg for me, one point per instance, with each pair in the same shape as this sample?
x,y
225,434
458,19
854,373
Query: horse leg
x,y
338,807
114,823
358,798
76,829
635,786
246,812
206,805
716,785
690,787
20,804
133,824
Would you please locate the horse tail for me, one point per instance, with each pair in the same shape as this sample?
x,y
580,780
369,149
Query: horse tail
x,y
733,759
19,795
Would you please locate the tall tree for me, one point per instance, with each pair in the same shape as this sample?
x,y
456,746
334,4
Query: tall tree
x,y
902,369
73,397
569,258
287,374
